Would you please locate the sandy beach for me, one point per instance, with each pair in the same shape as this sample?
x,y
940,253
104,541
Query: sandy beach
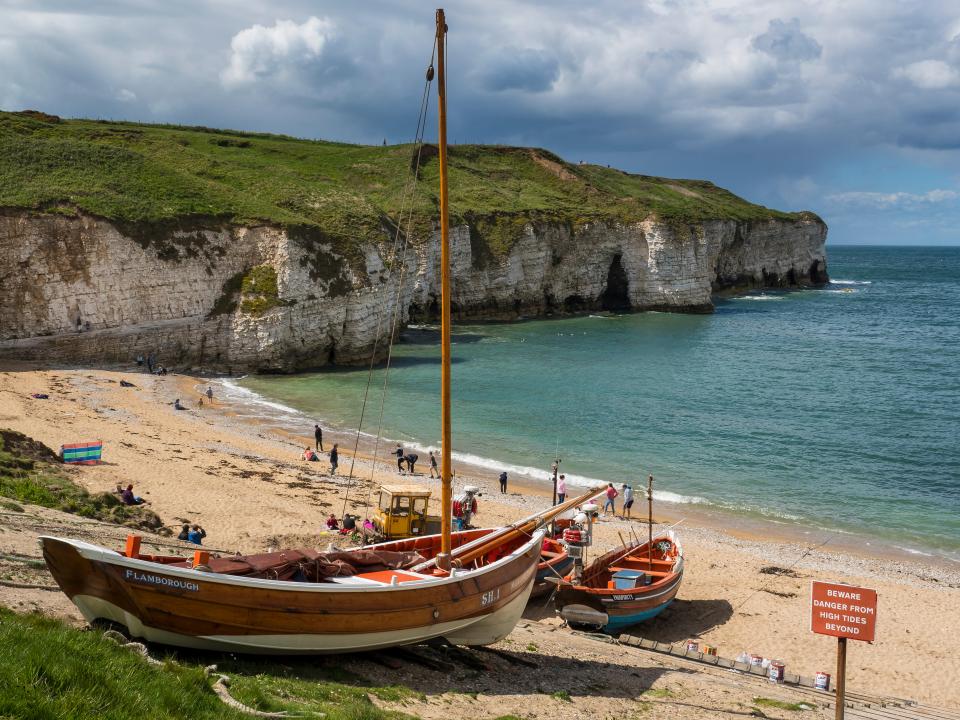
x,y
244,482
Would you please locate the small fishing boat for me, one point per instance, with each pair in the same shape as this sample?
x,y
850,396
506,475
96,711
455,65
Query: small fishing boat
x,y
623,587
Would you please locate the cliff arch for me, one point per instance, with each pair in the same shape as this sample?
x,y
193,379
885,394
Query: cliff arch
x,y
616,295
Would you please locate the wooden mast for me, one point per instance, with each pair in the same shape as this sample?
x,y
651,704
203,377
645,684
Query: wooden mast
x,y
650,521
443,560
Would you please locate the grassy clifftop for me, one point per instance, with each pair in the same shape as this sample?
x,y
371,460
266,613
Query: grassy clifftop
x,y
161,174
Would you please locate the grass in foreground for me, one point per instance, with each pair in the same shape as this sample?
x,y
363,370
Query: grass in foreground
x,y
50,670
30,472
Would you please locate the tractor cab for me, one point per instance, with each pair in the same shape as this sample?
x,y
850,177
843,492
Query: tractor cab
x,y
402,513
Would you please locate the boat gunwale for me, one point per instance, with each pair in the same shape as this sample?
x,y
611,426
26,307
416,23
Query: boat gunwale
x,y
98,553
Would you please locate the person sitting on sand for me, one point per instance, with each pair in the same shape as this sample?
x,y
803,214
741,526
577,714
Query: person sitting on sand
x,y
349,524
184,532
196,535
177,405
129,498
332,523
309,454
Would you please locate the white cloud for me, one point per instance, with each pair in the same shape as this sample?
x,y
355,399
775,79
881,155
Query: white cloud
x,y
259,51
903,200
126,96
929,74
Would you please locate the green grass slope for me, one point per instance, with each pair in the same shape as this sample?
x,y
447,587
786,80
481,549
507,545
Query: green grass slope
x,y
151,177
51,671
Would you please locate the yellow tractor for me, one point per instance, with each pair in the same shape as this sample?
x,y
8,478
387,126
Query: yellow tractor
x,y
402,513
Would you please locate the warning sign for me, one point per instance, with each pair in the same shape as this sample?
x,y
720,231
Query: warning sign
x,y
843,611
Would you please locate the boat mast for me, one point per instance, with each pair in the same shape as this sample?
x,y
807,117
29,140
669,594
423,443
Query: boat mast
x,y
650,522
443,560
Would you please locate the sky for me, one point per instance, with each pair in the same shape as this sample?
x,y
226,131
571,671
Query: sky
x,y
849,108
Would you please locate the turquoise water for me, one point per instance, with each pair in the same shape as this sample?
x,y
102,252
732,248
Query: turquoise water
x,y
837,408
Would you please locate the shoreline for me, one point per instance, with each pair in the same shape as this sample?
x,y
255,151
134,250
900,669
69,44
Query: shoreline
x,y
744,526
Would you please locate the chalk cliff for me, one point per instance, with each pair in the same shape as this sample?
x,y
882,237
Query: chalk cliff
x,y
247,297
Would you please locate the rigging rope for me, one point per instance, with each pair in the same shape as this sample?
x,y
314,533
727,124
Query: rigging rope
x,y
408,192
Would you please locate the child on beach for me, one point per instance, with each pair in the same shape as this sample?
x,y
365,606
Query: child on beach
x,y
400,456
611,499
561,488
433,465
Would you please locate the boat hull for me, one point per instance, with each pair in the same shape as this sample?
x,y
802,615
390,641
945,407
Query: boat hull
x,y
190,608
598,606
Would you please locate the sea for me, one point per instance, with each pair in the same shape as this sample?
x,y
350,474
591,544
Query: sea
x,y
835,408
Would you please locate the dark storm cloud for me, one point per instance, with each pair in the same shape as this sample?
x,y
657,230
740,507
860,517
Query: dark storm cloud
x,y
785,41
770,100
520,69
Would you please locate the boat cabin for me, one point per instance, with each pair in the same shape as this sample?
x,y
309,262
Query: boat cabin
x,y
402,512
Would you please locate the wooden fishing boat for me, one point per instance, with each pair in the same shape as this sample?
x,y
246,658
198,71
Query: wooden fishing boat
x,y
624,586
168,600
470,591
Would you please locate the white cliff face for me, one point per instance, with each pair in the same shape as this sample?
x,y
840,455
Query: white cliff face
x,y
79,290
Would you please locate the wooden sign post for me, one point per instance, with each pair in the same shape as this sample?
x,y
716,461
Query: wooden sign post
x,y
843,611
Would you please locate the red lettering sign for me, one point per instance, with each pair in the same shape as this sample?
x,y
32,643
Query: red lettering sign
x,y
843,611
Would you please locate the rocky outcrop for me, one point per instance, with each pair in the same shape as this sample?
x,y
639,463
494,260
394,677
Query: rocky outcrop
x,y
80,289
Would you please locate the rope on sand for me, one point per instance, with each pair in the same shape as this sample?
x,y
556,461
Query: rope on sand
x,y
220,688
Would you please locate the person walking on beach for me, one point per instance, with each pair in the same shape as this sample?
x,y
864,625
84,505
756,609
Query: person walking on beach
x,y
334,459
400,454
611,499
503,482
433,465
561,488
318,436
627,500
